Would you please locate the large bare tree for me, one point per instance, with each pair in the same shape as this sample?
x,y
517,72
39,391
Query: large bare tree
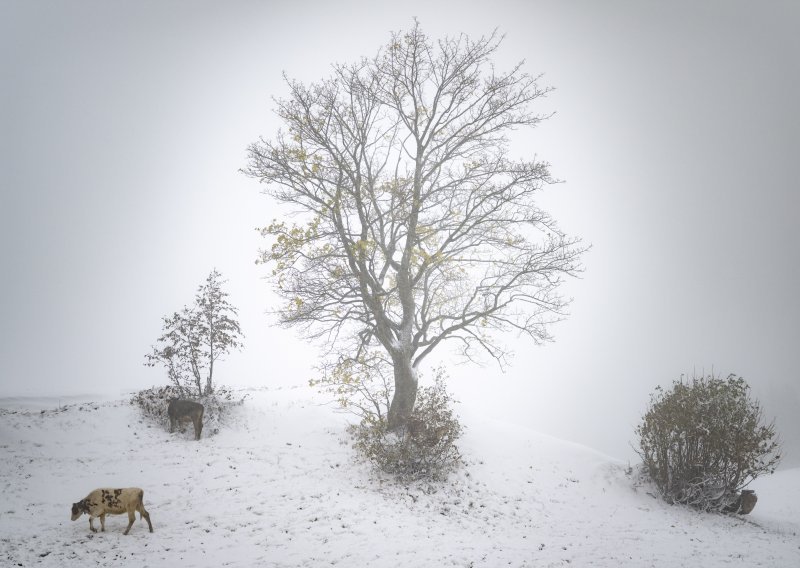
x,y
415,226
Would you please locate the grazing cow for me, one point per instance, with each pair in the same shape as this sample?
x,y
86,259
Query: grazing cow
x,y
102,502
180,410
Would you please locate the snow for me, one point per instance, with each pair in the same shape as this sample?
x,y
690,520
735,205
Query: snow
x,y
278,486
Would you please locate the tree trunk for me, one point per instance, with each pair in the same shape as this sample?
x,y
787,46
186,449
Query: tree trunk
x,y
198,384
405,393
209,384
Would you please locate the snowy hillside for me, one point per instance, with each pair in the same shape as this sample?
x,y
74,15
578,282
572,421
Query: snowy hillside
x,y
279,487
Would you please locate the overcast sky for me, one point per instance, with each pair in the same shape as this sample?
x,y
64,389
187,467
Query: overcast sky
x,y
677,132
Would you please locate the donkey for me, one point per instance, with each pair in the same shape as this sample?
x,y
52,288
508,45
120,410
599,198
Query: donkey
x,y
180,410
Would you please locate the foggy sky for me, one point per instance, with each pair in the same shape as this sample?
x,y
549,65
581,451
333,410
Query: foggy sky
x,y
124,125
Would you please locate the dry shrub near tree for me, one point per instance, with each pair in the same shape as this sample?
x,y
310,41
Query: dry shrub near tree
x,y
703,441
422,450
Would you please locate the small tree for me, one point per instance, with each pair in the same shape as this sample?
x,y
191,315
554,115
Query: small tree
x,y
703,441
195,338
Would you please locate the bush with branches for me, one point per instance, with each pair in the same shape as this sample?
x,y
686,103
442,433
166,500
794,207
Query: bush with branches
x,y
195,338
703,441
425,448
153,403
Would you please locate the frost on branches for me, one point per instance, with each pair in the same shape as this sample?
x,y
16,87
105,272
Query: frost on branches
x,y
417,225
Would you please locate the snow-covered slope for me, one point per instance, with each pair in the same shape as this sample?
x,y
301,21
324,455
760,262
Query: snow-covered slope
x,y
279,487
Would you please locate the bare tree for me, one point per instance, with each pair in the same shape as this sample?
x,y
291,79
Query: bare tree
x,y
195,338
416,226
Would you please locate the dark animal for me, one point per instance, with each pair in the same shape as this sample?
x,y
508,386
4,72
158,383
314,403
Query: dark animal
x,y
180,410
745,502
102,502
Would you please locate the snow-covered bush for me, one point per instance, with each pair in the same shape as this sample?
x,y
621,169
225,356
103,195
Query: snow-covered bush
x,y
702,441
425,449
153,403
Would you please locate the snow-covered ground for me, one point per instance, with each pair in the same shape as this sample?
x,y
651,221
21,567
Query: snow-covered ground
x,y
279,487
